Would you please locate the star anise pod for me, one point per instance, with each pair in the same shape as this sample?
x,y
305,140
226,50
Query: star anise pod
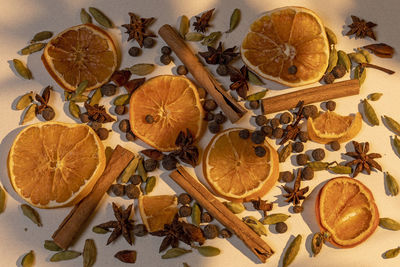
x,y
137,28
291,131
361,28
123,225
187,152
362,160
201,23
239,81
262,205
219,56
296,194
43,99
98,113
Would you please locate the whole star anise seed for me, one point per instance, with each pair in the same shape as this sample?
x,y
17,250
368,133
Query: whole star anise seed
x,y
239,81
362,160
137,28
219,56
187,152
296,194
201,23
361,28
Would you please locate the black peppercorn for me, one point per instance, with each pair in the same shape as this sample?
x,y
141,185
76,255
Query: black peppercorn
x,y
124,126
298,209
261,120
184,198
318,154
244,134
260,151
339,71
222,70
225,233
214,127
206,217
148,42
210,231
303,136
301,159
220,118
130,136
254,104
149,119
281,227
277,133
329,78
102,133
165,59
298,147
166,50
182,70
286,177
208,116
132,191
209,105
140,230
330,105
108,89
48,113
84,117
169,162
274,123
307,173
134,51
150,165
285,118
335,145
185,211
257,137
267,130
121,109
135,179
118,189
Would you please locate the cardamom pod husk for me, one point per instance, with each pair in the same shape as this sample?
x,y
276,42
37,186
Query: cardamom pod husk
x,y
122,100
340,169
375,96
74,109
208,251
360,73
29,114
396,144
65,255
285,152
100,17
234,21
254,79
184,26
275,218
194,37
391,253
28,260
255,225
257,96
332,39
317,243
141,171
392,124
211,39
196,214
357,58
80,89
150,184
235,207
2,199
24,101
389,224
333,59
32,214
32,48
99,230
318,165
22,69
391,184
51,245
344,60
292,251
89,253
175,252
366,54
370,113
129,170
85,17
142,69
95,98
41,36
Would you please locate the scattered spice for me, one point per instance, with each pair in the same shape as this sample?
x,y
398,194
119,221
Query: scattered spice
x,y
362,160
32,48
175,252
184,199
255,225
43,99
194,37
255,97
89,253
316,243
196,214
286,177
381,50
391,184
165,59
185,211
2,199
318,154
187,152
206,217
85,17
219,56
391,253
301,159
142,69
99,230
298,147
32,214
296,194
369,65
126,256
211,39
335,145
98,113
281,227
244,134
132,191
120,78
292,131
260,151
389,224
332,39
209,105
169,162
65,255
396,144
148,42
208,251
361,28
392,124
234,21
292,251
225,233
262,205
275,218
41,36
150,184
184,26
100,17
202,23
137,28
22,69
239,81
210,231
284,152
118,189
29,114
234,207
307,174
28,260
374,96
370,113
134,51
140,230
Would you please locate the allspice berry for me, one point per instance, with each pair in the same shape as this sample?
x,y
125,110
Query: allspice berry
x,y
339,71
102,133
124,126
184,199
281,227
318,154
254,104
210,231
301,159
307,173
209,105
329,78
261,120
206,217
335,145
298,147
285,118
330,105
185,211
286,177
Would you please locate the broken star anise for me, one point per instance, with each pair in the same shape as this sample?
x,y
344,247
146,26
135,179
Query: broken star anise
x,y
179,231
98,113
43,99
262,205
137,28
239,81
362,160
361,28
291,131
296,194
201,23
187,152
219,56
123,225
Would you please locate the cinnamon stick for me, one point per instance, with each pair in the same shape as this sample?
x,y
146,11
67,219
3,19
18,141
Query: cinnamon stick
x,y
310,95
73,223
232,109
222,213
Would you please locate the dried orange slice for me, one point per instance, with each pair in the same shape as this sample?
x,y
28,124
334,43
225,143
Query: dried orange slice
x,y
287,45
157,211
346,209
173,103
83,52
55,164
234,171
329,126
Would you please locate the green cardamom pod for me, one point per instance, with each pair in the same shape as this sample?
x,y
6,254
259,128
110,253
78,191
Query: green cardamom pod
x,y
99,230
391,253
318,165
129,170
208,251
292,251
285,152
184,26
95,98
396,144
235,207
41,36
391,184
360,73
332,39
24,101
211,39
254,79
29,114
141,171
142,69
65,255
32,214
2,199
234,21
89,253
389,224
366,54
79,98
85,17
340,169
344,60
317,243
28,260
333,59
175,252
257,96
196,214
74,109
51,245
255,225
392,124
99,16
150,184
275,218
357,58
194,37
32,48
375,96
122,100
370,113
81,88
22,69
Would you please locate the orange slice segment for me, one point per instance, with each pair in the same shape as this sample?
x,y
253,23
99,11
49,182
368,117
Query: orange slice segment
x,y
329,126
55,164
346,209
283,38
233,170
174,104
157,211
83,52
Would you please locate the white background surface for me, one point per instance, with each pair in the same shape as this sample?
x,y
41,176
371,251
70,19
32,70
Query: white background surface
x,y
21,19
